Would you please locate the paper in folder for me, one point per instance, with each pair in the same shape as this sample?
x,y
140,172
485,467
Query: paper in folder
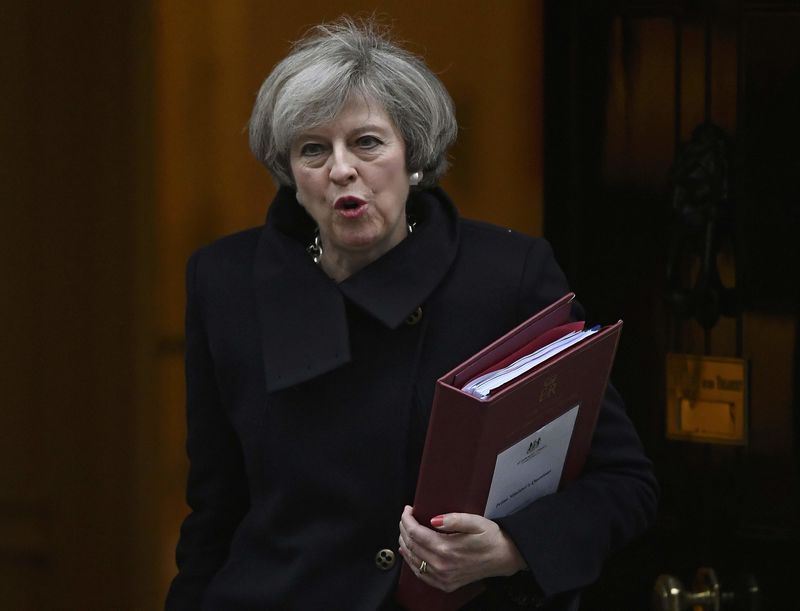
x,y
525,408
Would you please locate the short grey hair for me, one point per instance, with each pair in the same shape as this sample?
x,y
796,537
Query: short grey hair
x,y
336,61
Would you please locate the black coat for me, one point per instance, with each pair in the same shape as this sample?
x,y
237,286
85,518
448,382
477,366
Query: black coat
x,y
308,404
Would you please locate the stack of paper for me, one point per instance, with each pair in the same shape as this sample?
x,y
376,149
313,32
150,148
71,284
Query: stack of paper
x,y
483,385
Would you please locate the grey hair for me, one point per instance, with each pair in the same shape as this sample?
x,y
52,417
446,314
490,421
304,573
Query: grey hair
x,y
334,62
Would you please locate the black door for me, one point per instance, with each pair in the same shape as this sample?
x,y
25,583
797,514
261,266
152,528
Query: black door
x,y
672,201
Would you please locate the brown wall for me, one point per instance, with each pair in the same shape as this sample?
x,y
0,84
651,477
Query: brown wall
x,y
123,150
77,215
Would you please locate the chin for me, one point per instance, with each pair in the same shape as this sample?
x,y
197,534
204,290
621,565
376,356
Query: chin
x,y
360,245
359,240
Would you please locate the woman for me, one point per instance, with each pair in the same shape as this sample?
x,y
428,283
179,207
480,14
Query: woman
x,y
313,344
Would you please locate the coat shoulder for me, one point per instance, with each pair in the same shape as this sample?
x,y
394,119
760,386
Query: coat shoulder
x,y
234,246
510,267
496,245
486,233
229,254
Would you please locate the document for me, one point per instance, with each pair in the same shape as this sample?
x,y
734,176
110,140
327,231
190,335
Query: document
x,y
531,468
483,385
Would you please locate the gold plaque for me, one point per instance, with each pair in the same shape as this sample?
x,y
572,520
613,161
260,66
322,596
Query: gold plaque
x,y
706,399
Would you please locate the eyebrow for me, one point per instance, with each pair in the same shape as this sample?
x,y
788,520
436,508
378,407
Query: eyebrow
x,y
369,127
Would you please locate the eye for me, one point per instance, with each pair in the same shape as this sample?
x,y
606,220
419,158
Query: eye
x,y
311,149
368,142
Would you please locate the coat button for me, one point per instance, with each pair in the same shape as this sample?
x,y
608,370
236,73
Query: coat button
x,y
385,559
415,316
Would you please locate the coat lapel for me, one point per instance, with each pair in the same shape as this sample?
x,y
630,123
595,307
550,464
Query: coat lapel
x,y
302,314
393,286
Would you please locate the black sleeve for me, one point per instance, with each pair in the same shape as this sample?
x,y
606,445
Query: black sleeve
x,y
217,488
565,537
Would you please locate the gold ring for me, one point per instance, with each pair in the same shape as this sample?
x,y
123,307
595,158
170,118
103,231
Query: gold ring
x,y
423,567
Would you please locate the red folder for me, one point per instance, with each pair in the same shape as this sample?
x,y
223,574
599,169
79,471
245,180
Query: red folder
x,y
458,460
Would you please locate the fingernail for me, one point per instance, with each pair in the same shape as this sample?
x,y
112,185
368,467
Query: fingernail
x,y
437,521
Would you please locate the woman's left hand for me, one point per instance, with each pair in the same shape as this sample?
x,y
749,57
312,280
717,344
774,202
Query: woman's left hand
x,y
463,548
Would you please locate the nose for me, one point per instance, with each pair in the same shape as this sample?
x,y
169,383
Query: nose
x,y
343,168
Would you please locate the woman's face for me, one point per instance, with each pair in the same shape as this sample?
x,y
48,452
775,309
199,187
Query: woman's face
x,y
351,178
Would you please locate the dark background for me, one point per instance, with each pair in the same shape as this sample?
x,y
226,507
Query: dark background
x,y
626,83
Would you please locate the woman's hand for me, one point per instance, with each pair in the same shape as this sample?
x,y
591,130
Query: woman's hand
x,y
463,548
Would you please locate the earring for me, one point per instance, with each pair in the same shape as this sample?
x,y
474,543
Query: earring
x,y
415,178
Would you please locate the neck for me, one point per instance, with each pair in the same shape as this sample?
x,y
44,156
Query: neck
x,y
340,268
340,265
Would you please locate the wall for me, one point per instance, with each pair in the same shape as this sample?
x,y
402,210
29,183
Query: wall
x,y
75,355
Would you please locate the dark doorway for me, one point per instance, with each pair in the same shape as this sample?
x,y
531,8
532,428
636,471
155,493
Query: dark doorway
x,y
627,84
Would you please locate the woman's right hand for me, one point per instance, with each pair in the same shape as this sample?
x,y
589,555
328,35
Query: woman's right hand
x,y
460,548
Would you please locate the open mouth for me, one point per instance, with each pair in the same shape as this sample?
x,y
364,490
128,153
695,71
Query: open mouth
x,y
349,206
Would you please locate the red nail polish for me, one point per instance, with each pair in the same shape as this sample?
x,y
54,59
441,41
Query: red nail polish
x,y
437,521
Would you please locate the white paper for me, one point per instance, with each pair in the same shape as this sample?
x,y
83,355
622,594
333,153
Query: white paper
x,y
482,385
531,468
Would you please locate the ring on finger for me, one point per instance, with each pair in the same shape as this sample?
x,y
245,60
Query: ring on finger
x,y
423,567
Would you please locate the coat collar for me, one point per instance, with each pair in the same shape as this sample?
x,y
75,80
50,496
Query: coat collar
x,y
302,314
